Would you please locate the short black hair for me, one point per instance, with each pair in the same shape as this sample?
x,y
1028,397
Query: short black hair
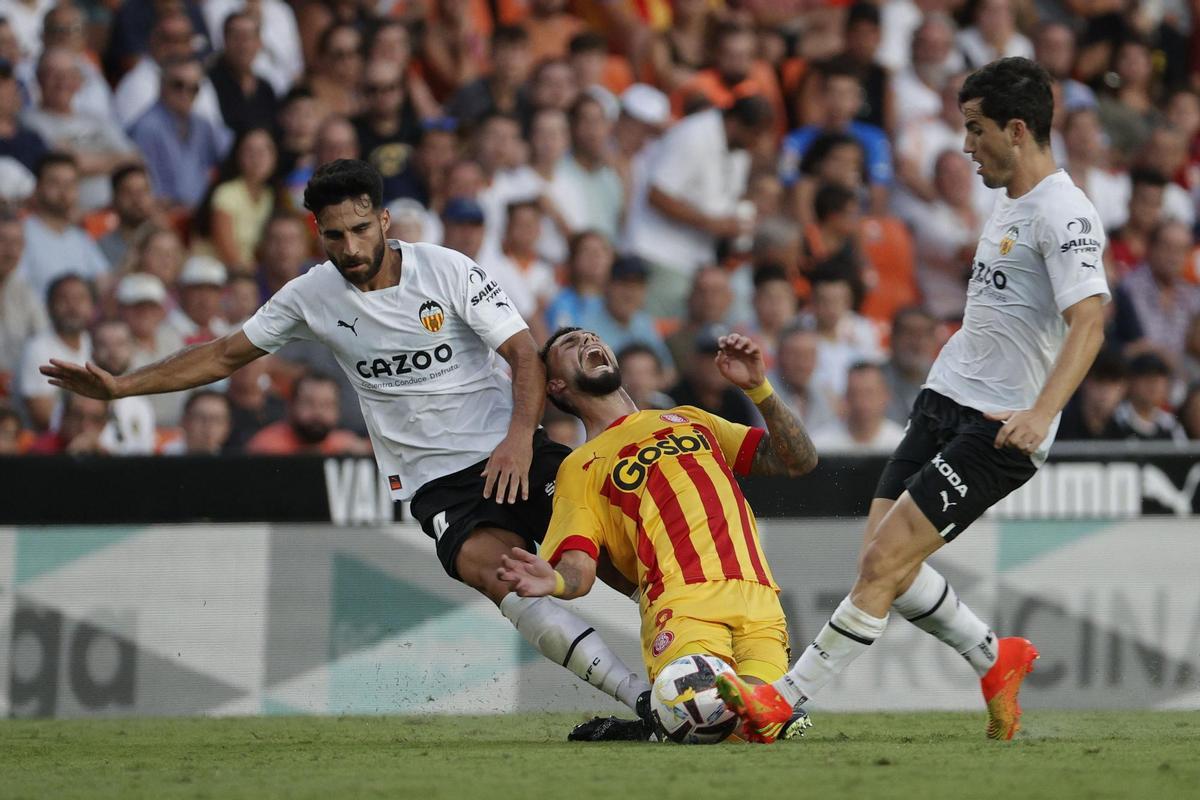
x,y
1013,88
200,394
832,198
770,272
1144,176
121,173
343,179
544,355
234,16
587,42
327,36
753,112
314,377
509,35
865,366
54,158
63,280
639,348
822,146
1109,367
863,12
908,312
518,205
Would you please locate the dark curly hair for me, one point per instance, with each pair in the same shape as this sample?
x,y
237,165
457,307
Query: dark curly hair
x,y
1013,88
340,180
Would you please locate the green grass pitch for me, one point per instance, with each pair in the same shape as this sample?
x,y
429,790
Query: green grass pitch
x,y
1058,755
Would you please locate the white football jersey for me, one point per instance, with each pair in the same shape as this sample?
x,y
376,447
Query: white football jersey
x,y
1038,255
421,355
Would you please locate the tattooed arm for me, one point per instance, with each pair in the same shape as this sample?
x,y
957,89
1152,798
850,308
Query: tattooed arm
x,y
531,576
786,449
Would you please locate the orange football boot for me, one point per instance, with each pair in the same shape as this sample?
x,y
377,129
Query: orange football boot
x,y
761,708
1001,684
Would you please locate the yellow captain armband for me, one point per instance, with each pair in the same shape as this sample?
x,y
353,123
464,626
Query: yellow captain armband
x,y
560,585
760,392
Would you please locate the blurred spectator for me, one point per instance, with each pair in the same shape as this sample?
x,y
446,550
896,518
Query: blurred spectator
x,y
310,425
172,40
247,100
1143,415
601,74
96,142
1054,49
993,34
54,245
589,264
412,222
141,300
549,143
845,336
454,46
130,430
709,301
498,149
622,320
134,206
1157,295
22,311
283,252
947,236
18,141
914,346
586,189
1128,111
643,376
865,426
526,279
677,53
79,430
503,89
1130,242
1190,370
1166,152
198,317
336,138
1087,162
253,401
702,384
206,425
552,85
158,252
25,20
241,299
795,366
696,181
1089,414
423,178
918,86
297,123
134,23
862,39
1189,412
12,437
335,77
736,73
72,306
562,427
181,146
388,128
230,221
841,98
279,59
550,28
774,308
463,227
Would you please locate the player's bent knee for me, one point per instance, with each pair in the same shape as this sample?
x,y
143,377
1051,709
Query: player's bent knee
x,y
479,558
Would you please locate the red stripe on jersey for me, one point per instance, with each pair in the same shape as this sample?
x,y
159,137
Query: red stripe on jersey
x,y
718,526
747,530
581,543
676,524
629,505
745,454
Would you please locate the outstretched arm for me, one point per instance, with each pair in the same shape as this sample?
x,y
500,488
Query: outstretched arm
x,y
531,576
184,369
786,449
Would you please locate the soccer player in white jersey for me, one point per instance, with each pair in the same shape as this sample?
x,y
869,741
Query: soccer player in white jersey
x,y
417,329
987,414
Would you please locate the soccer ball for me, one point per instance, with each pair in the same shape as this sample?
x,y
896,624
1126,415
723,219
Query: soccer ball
x,y
685,704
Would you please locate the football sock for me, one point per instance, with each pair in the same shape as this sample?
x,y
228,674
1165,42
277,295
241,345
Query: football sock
x,y
848,633
565,639
933,606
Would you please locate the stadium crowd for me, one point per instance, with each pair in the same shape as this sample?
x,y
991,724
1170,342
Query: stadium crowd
x,y
659,171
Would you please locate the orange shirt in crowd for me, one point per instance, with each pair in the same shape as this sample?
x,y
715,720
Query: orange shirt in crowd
x,y
279,439
550,36
708,84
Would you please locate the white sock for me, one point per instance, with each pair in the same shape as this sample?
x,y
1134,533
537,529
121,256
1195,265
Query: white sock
x,y
933,606
567,640
844,638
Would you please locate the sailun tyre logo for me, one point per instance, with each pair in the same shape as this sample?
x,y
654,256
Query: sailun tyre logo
x,y
1080,225
432,316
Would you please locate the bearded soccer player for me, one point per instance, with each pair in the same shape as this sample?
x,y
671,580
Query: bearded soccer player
x,y
417,329
986,418
655,492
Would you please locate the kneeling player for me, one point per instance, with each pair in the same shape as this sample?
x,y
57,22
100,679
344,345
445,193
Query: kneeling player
x,y
655,490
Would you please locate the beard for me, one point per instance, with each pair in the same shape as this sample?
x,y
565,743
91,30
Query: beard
x,y
311,432
376,264
599,385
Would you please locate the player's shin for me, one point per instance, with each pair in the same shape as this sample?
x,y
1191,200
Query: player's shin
x,y
849,632
565,639
932,605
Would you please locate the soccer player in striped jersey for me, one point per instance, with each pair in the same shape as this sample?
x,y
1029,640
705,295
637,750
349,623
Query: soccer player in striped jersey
x,y
655,493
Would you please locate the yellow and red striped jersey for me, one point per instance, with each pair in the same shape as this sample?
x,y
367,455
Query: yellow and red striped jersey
x,y
657,492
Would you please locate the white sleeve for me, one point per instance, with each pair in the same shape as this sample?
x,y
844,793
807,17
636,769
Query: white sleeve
x,y
673,166
481,302
279,321
1072,243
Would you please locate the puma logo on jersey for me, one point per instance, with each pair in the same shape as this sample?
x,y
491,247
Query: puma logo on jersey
x,y
1086,265
952,477
590,460
946,501
349,325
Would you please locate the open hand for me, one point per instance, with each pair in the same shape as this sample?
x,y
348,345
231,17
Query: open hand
x,y
88,380
740,361
1022,430
526,574
507,469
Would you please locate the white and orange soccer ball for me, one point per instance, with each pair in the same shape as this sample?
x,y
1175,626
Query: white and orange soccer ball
x,y
685,704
